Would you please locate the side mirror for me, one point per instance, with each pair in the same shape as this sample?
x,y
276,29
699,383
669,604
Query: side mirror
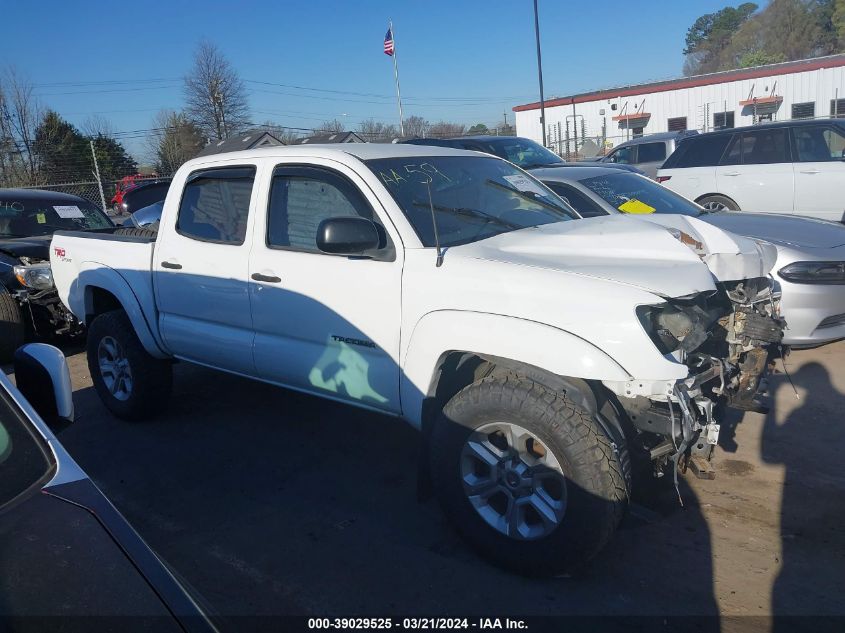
x,y
42,376
348,236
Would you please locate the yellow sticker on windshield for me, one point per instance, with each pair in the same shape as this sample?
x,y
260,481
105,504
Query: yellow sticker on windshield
x,y
635,206
41,218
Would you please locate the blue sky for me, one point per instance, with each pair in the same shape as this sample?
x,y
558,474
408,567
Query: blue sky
x,y
459,60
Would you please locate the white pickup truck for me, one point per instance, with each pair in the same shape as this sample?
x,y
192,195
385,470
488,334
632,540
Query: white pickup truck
x,y
544,361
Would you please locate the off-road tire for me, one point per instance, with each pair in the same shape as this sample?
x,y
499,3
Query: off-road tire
x,y
716,199
596,489
12,327
134,231
152,378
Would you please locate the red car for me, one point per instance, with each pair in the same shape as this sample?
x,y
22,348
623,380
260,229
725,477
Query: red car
x,y
126,183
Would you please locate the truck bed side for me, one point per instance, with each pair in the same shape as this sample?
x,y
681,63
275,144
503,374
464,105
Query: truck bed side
x,y
88,267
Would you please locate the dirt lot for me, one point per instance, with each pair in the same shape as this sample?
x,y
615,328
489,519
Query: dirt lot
x,y
271,502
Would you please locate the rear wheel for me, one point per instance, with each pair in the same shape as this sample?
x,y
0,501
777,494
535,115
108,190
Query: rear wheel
x,y
528,476
12,328
718,203
132,384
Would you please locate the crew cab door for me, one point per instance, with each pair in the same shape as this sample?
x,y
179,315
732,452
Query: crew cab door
x,y
756,171
201,268
325,324
820,171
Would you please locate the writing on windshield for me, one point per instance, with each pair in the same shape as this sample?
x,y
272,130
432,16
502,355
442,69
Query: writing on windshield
x,y
472,198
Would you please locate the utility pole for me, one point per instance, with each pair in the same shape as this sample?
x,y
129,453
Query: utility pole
x,y
97,176
540,73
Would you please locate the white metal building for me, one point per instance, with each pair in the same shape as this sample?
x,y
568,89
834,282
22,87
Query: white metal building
x,y
586,123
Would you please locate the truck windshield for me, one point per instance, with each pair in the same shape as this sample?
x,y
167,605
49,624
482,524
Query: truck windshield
x,y
28,217
473,197
632,193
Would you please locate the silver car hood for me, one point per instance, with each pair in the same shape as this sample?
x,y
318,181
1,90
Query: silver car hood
x,y
638,254
787,230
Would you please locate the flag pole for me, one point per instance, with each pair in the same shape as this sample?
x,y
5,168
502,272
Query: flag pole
x,y
396,75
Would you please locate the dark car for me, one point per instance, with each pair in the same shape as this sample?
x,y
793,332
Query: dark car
x,y
522,152
68,555
29,304
143,196
646,152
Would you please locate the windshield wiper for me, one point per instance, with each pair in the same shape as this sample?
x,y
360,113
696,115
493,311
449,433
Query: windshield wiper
x,y
531,197
472,213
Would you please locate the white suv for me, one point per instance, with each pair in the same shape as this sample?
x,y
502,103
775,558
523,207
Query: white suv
x,y
786,167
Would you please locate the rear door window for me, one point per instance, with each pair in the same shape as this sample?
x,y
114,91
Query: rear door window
x,y
651,152
759,147
702,151
215,205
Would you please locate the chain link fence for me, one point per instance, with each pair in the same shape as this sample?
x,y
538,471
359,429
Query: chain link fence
x,y
90,190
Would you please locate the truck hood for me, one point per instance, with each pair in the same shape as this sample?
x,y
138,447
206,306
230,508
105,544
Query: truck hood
x,y
729,257
34,247
637,254
786,230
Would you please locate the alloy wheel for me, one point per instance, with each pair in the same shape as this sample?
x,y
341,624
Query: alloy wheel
x,y
114,368
513,481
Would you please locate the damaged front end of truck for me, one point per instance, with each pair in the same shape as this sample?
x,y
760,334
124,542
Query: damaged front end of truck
x,y
728,339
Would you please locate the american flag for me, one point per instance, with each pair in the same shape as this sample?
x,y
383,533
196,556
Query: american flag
x,y
388,42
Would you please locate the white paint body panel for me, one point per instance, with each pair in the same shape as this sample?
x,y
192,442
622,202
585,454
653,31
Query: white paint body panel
x,y
817,185
561,296
769,187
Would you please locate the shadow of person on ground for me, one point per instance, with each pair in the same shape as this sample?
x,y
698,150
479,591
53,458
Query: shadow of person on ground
x,y
809,446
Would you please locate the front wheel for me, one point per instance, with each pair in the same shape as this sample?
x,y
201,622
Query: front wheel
x,y
527,475
132,384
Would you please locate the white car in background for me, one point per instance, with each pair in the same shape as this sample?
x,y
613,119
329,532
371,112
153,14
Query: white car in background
x,y
795,167
810,267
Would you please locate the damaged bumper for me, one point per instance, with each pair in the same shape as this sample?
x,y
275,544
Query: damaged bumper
x,y
46,313
728,341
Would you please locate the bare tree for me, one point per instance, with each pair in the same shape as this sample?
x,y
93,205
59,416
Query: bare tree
x,y
97,125
330,126
176,140
445,129
416,127
215,95
377,131
19,117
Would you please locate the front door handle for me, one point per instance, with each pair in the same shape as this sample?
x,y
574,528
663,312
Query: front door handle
x,y
173,265
731,173
270,279
810,171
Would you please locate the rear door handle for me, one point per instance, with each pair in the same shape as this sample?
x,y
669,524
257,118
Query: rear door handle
x,y
270,279
173,265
